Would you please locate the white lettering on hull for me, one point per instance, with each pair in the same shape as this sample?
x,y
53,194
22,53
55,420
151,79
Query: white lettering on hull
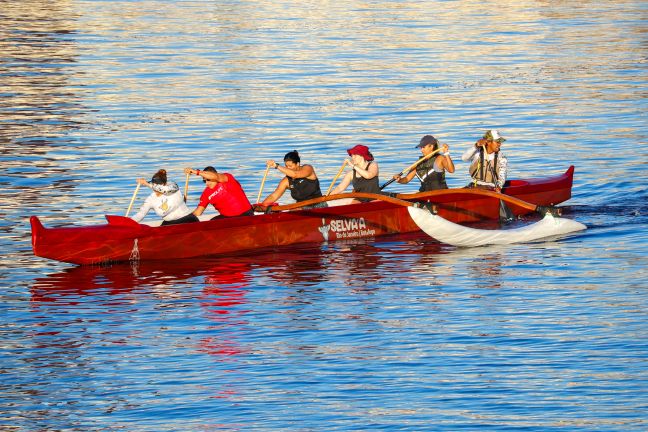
x,y
345,229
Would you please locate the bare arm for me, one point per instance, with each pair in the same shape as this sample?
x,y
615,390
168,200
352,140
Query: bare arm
x,y
207,175
447,164
143,182
408,178
346,181
199,210
306,171
369,173
445,161
274,196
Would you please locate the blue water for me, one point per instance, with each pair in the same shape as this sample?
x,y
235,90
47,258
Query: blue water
x,y
393,333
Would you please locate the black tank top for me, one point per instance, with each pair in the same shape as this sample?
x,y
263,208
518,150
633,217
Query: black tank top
x,y
361,184
302,189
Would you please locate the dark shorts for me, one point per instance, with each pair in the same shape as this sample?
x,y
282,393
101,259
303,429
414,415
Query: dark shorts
x,y
185,219
245,213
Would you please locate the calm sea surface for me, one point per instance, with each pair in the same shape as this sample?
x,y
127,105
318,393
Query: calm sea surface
x,y
396,333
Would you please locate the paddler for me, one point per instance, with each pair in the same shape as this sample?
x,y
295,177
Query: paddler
x,y
363,175
223,191
487,165
166,199
300,179
431,171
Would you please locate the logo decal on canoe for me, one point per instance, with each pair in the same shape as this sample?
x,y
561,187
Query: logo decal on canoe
x,y
345,229
134,255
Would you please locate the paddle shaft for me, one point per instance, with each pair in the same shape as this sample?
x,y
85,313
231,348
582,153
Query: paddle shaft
x,y
411,167
263,183
335,179
186,188
130,206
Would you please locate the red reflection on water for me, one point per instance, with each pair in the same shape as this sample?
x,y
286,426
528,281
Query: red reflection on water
x,y
225,290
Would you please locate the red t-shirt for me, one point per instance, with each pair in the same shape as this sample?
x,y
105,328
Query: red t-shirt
x,y
228,198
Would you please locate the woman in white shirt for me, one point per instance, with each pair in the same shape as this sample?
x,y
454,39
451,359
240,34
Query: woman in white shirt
x,y
167,201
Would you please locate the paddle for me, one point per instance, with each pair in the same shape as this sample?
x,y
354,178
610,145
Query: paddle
x,y
411,167
186,188
130,206
262,183
335,179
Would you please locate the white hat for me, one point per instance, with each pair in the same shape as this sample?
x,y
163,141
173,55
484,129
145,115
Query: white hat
x,y
494,135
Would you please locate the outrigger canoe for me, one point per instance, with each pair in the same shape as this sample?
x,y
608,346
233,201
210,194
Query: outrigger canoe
x,y
122,239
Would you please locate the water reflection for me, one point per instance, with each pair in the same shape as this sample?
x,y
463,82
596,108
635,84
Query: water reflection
x,y
222,302
37,56
301,272
40,104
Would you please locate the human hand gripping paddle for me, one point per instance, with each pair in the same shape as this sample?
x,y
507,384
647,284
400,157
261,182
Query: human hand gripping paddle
x,y
410,168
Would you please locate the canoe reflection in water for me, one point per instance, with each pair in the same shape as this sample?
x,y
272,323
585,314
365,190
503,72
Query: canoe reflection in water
x,y
222,301
175,278
162,279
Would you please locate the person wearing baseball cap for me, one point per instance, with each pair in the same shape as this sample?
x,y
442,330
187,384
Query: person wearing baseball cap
x,y
431,171
487,165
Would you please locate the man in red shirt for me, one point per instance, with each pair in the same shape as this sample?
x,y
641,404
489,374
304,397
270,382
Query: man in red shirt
x,y
223,192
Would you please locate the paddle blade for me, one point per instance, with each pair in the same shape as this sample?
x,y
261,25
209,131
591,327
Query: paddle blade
x,y
457,235
505,212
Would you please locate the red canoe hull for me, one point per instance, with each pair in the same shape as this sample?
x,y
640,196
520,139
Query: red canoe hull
x,y
123,239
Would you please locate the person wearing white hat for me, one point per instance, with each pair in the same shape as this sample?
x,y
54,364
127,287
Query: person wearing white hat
x,y
487,165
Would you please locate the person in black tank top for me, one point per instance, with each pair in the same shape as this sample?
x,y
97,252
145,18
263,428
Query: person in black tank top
x,y
431,172
363,175
300,179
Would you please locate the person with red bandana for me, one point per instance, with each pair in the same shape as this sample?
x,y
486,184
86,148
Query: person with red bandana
x,y
222,191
